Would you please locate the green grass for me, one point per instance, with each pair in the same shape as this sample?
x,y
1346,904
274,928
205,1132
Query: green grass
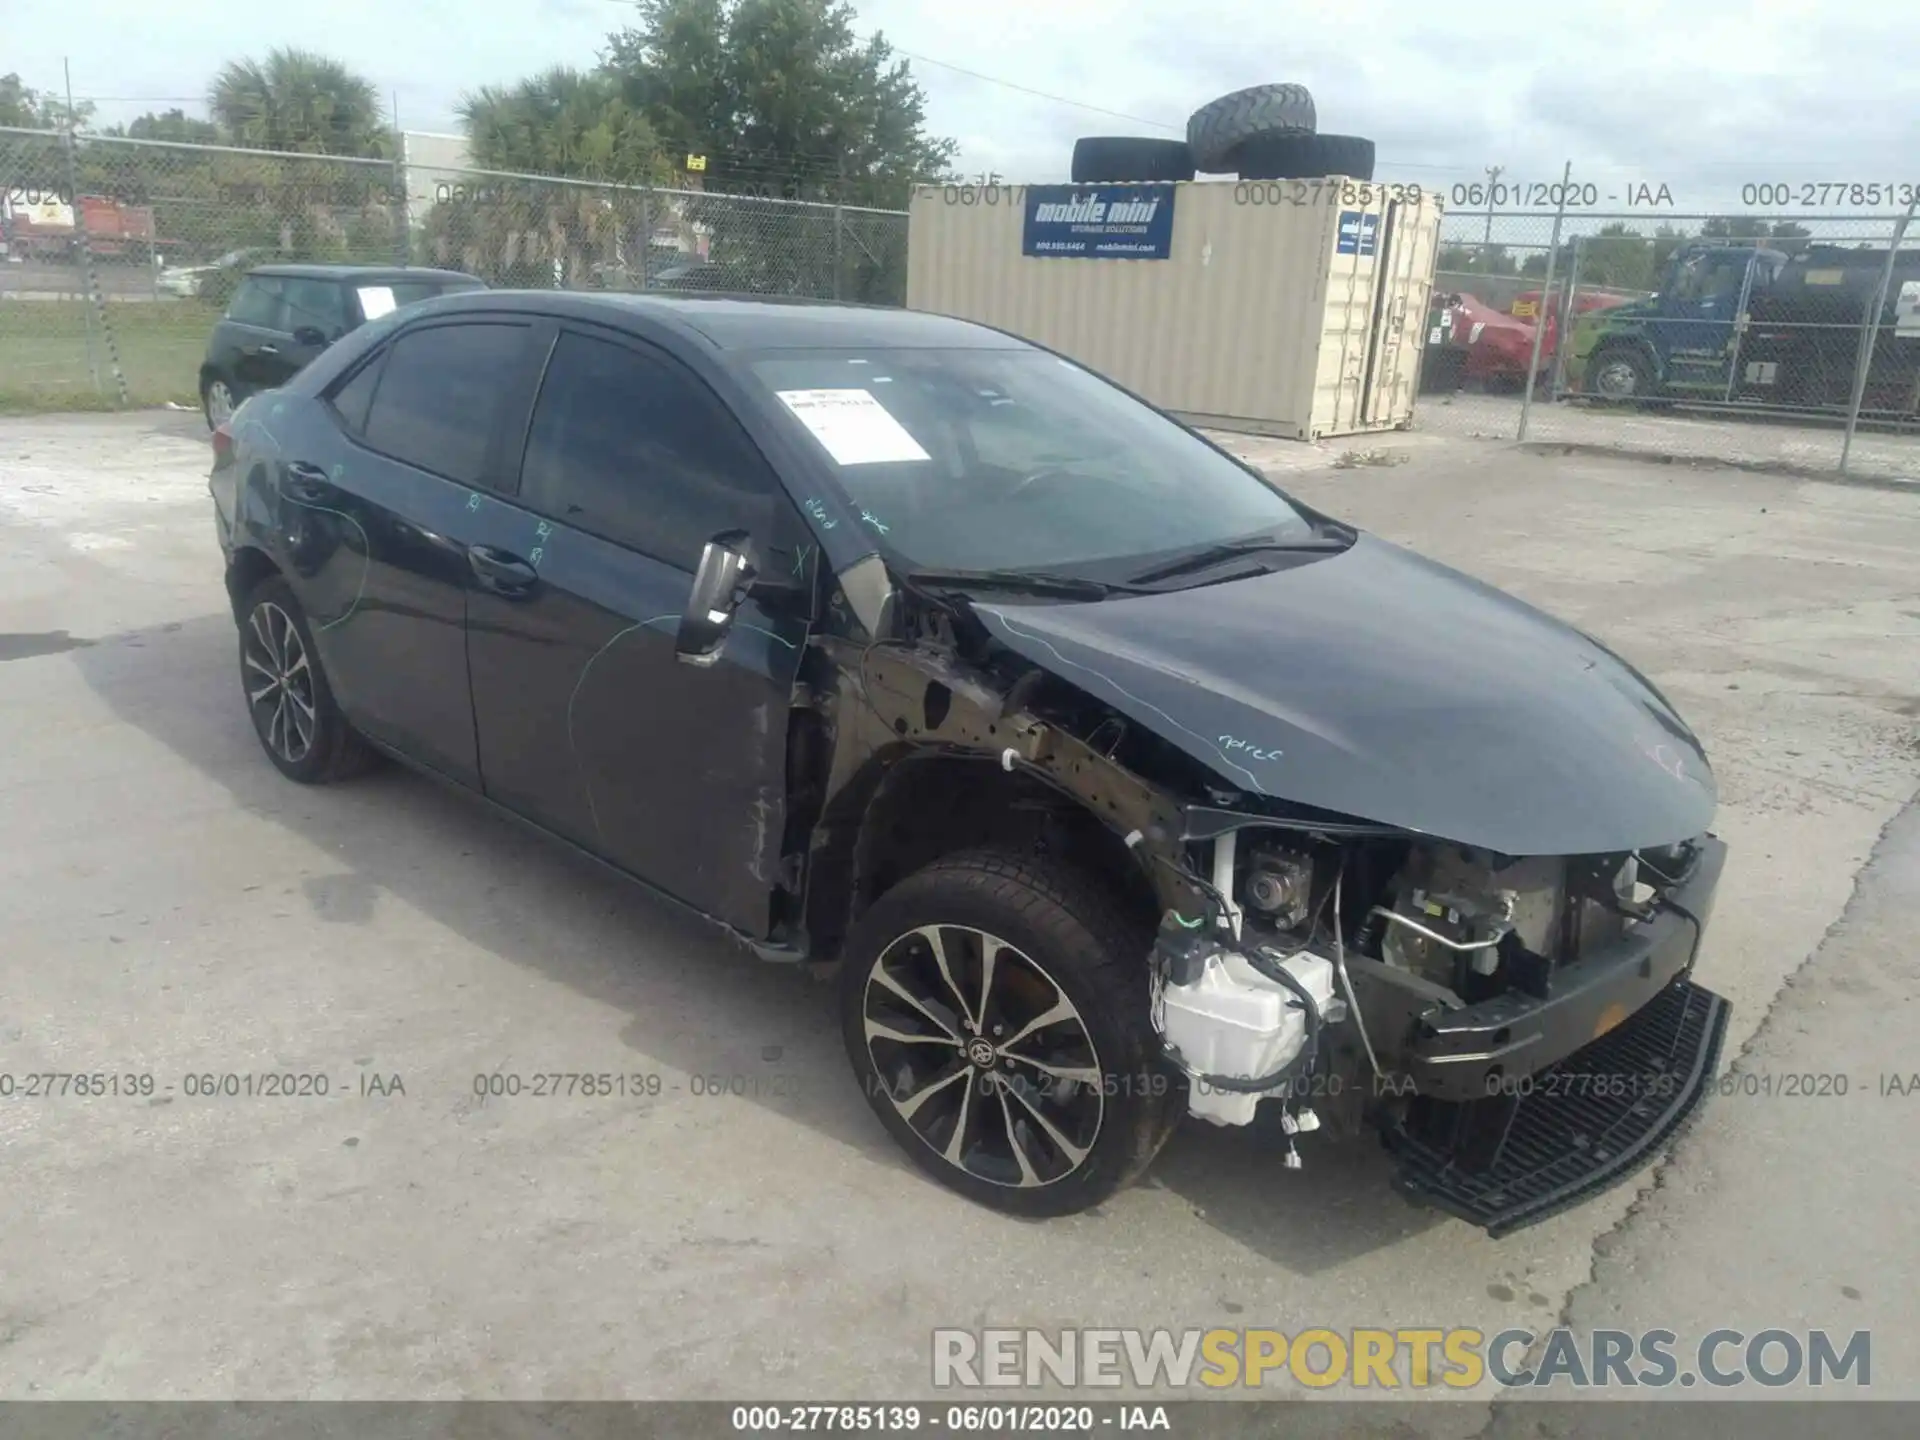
x,y
44,353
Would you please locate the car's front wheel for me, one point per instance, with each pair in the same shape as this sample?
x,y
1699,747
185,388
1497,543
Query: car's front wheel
x,y
1621,374
995,1008
299,723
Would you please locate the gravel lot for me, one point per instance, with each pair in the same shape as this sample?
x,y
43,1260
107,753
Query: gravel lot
x,y
1762,441
169,905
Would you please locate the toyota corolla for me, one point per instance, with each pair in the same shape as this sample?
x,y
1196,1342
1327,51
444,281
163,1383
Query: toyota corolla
x,y
1119,786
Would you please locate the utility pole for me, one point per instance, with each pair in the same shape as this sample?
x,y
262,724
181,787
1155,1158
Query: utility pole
x,y
1493,179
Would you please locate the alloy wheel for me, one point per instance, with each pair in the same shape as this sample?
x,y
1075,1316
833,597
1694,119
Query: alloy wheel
x,y
983,1056
220,405
279,681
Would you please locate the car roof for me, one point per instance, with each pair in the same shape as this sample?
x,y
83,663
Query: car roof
x,y
363,272
750,322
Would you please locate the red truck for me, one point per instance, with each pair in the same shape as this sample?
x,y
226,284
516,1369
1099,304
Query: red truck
x,y
43,225
1499,358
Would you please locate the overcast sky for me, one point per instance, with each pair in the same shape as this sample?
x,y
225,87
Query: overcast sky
x,y
1703,96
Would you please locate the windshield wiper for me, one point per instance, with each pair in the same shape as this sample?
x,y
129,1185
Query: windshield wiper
x,y
1211,555
1035,582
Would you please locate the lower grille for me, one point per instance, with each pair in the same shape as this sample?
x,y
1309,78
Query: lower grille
x,y
1512,1159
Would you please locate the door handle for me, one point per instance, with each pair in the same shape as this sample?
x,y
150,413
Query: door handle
x,y
306,482
500,572
268,350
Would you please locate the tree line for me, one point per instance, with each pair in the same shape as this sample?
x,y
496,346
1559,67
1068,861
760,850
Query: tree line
x,y
775,99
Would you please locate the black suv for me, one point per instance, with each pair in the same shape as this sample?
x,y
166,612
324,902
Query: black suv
x,y
282,316
1118,784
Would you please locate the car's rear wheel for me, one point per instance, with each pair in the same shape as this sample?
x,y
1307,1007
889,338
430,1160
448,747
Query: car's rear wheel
x,y
299,723
995,1009
218,401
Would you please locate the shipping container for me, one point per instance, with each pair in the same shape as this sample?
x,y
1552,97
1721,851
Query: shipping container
x,y
1292,308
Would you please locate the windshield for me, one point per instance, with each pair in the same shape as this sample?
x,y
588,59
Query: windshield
x,y
1015,459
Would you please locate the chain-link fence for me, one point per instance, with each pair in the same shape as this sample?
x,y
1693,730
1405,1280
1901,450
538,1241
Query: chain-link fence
x,y
117,256
1765,340
1781,336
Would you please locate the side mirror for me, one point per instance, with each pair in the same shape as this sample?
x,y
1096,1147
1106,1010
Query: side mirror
x,y
310,335
719,585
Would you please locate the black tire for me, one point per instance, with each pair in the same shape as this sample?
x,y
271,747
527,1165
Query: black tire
x,y
1072,941
1636,378
210,407
1126,157
1303,157
1218,126
329,748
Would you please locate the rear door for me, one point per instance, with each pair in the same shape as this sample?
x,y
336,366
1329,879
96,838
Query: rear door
x,y
586,720
383,515
1403,287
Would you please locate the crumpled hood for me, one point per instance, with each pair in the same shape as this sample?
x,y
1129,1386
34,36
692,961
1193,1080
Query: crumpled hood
x,y
1382,685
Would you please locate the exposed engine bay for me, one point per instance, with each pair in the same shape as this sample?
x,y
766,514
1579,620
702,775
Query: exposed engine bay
x,y
1321,967
1424,925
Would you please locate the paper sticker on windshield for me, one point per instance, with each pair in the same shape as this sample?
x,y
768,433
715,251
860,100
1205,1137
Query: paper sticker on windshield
x,y
375,301
854,428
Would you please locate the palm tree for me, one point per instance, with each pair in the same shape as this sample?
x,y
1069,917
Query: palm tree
x,y
567,123
308,104
297,100
562,122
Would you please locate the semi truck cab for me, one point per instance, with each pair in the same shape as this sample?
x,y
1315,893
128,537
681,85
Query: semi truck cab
x,y
1679,341
1744,323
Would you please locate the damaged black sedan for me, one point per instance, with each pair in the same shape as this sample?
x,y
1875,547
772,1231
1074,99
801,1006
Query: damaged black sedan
x,y
1119,785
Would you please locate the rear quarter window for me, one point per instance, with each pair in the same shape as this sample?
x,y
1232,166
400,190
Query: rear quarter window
x,y
352,401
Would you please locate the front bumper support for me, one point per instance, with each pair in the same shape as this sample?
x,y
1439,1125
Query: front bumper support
x,y
1552,1138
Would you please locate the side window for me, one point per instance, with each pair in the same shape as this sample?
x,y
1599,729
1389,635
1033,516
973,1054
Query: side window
x,y
258,302
637,451
319,303
438,391
353,399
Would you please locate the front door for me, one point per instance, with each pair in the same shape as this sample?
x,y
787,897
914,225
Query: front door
x,y
586,720
254,332
1695,332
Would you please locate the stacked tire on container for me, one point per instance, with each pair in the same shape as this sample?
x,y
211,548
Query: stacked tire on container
x,y
1265,132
